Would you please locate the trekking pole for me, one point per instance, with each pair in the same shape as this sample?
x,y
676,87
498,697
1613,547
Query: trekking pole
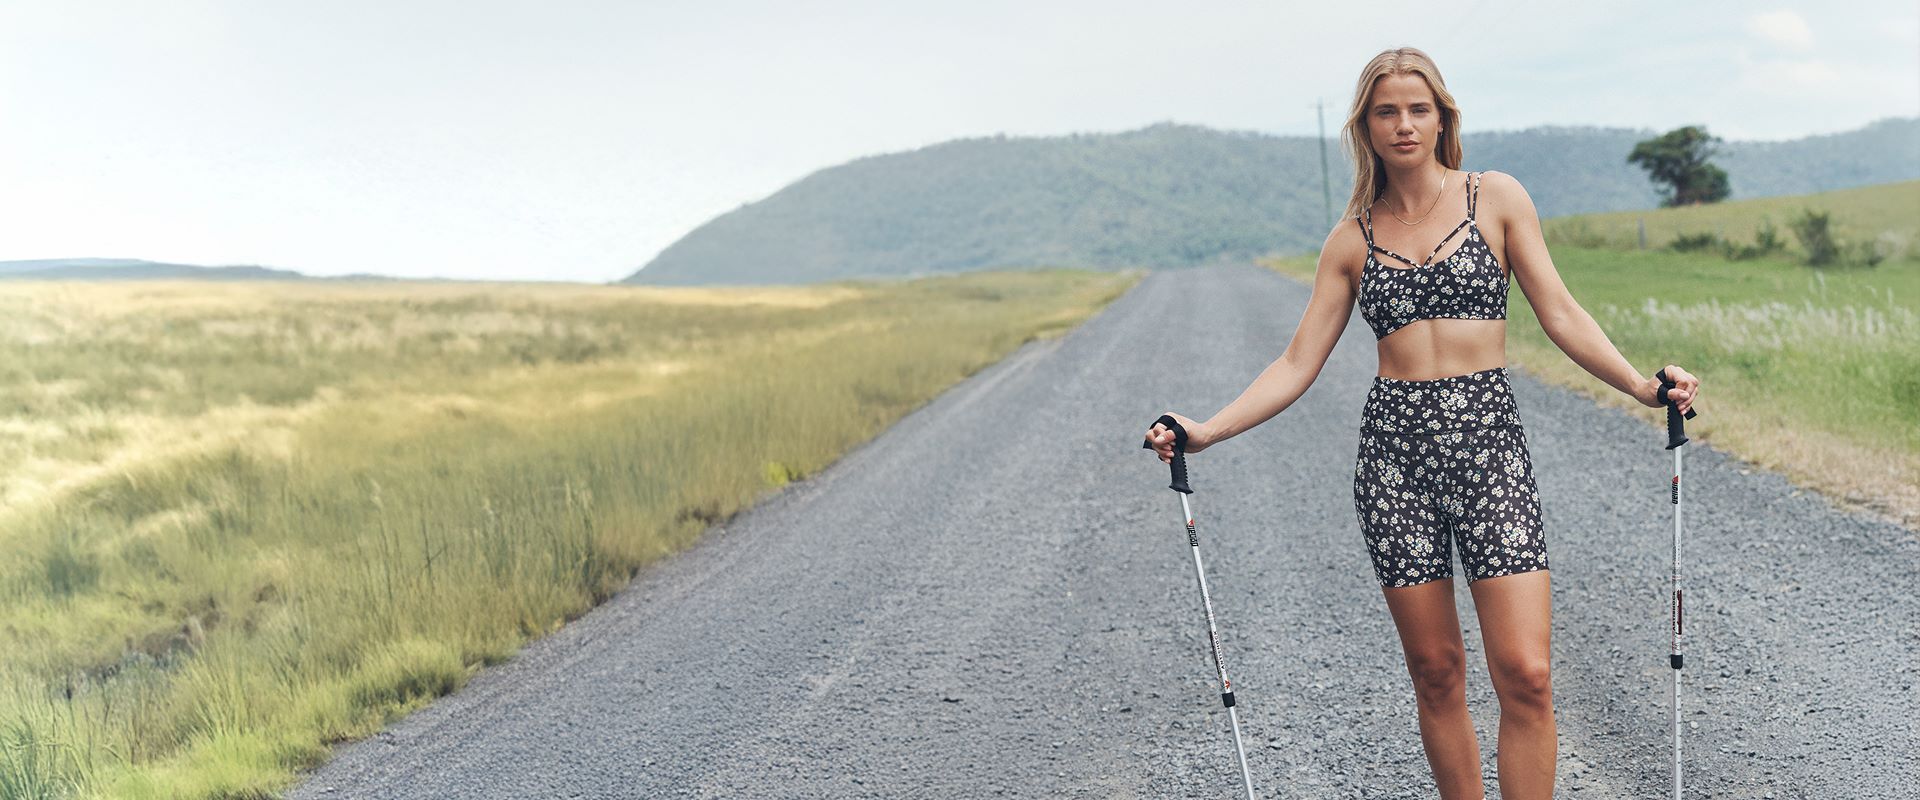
x,y
1193,539
1676,436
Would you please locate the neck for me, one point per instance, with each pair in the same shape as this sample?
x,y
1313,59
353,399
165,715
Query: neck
x,y
1410,192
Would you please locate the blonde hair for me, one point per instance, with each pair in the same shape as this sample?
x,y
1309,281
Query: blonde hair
x,y
1369,178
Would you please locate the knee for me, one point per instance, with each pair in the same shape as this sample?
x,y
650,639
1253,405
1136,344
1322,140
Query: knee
x,y
1525,685
1440,678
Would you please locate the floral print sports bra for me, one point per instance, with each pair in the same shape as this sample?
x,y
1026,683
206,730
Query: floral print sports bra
x,y
1470,284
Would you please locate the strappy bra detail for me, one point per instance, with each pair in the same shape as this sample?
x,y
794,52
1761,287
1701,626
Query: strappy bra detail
x,y
1468,284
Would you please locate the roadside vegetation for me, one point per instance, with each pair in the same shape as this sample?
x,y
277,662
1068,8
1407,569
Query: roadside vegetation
x,y
1808,340
241,522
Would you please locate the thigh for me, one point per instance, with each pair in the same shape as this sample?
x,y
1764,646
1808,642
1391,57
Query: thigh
x,y
1489,501
1516,624
1405,535
1429,627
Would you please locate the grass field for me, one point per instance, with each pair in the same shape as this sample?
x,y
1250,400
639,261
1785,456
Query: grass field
x,y
1814,373
1887,214
242,521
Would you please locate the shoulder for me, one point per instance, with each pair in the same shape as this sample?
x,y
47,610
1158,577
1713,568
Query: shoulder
x,y
1495,182
1345,246
1497,185
1502,194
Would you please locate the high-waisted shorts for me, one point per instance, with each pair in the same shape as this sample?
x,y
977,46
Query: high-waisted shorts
x,y
1446,459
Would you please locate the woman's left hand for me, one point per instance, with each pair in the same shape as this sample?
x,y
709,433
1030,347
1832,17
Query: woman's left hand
x,y
1685,391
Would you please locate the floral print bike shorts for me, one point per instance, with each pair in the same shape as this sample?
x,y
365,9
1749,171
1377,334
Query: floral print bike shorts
x,y
1446,459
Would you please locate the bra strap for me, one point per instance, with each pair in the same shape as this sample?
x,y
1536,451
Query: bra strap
x,y
1366,225
1473,193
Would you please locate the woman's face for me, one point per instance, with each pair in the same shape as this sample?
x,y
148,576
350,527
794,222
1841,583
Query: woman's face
x,y
1403,110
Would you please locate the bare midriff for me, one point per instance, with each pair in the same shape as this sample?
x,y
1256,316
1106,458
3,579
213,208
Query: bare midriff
x,y
1438,348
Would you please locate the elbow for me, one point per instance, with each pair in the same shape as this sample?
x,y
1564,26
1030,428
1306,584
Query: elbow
x,y
1553,320
1549,323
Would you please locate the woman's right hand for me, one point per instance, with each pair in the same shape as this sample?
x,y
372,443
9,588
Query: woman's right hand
x,y
1161,437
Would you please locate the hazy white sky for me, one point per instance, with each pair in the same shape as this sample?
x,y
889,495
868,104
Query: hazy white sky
x,y
575,140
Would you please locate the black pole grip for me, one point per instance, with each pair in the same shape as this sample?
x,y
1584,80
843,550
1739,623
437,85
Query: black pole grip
x,y
1676,427
1179,483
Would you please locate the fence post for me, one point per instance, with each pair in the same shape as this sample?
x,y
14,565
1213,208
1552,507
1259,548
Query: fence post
x,y
1643,233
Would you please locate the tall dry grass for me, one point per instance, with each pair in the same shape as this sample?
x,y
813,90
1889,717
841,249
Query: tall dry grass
x,y
245,521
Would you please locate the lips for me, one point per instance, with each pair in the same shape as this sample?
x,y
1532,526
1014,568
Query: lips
x,y
1406,145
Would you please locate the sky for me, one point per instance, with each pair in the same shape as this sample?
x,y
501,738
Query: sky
x,y
571,140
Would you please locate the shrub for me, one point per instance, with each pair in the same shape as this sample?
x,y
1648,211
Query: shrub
x,y
1768,239
1688,242
1864,253
1816,237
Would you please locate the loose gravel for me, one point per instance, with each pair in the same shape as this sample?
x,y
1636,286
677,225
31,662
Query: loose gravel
x,y
994,598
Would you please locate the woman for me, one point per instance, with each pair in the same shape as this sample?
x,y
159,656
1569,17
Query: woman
x,y
1442,453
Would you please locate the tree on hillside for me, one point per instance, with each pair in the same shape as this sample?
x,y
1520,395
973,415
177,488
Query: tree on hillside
x,y
1677,160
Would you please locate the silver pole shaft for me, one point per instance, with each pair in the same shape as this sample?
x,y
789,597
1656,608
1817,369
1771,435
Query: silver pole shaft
x,y
1246,778
1213,637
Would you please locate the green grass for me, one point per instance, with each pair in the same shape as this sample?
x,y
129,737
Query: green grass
x,y
1836,351
244,522
1814,372
1887,214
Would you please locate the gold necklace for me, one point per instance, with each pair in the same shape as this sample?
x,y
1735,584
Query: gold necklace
x,y
1430,208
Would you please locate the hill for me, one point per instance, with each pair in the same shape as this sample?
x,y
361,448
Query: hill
x,y
110,269
1175,195
1887,213
133,269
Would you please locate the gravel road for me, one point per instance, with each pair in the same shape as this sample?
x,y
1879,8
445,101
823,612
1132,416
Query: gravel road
x,y
994,599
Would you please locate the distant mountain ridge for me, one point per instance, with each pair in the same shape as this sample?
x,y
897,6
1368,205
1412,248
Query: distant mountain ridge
x,y
68,269
1172,195
131,268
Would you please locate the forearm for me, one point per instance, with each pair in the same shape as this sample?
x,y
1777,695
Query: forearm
x,y
1278,386
1577,335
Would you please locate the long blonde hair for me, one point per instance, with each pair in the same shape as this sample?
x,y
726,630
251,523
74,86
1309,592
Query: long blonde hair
x,y
1369,178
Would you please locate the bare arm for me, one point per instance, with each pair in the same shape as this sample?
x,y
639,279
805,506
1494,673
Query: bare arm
x,y
1568,325
1288,377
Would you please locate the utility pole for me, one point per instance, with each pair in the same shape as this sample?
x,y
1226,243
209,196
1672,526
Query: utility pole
x,y
1326,185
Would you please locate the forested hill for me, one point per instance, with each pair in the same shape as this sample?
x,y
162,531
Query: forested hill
x,y
1176,195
